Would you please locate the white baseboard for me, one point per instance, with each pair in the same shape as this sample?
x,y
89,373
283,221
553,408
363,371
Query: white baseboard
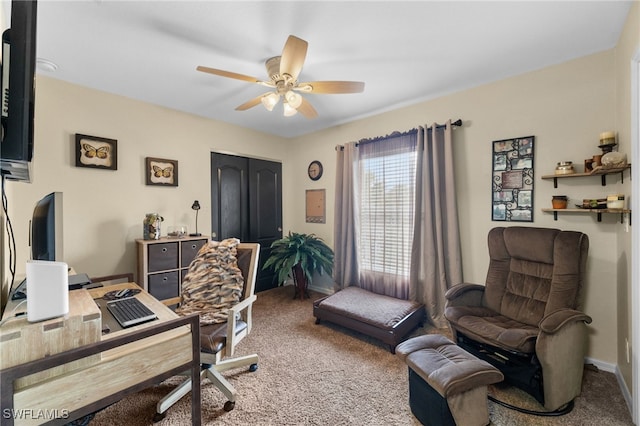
x,y
604,366
323,290
625,390
613,368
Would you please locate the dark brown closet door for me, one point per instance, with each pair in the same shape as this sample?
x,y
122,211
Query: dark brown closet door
x,y
246,203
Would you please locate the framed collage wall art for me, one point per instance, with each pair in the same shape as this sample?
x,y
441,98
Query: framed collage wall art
x,y
512,180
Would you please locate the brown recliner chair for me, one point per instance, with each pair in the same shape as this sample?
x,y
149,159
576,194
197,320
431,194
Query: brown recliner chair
x,y
524,320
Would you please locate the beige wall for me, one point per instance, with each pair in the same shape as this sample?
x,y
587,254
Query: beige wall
x,y
628,46
104,209
565,107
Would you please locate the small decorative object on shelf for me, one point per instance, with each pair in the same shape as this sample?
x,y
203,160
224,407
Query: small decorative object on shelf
x,y
177,231
588,165
565,168
593,203
151,226
559,201
607,141
615,201
596,161
612,160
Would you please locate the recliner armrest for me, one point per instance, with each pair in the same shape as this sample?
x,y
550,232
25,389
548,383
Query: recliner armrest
x,y
459,289
465,294
556,320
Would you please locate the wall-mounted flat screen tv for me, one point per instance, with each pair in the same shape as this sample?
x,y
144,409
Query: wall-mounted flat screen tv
x,y
18,91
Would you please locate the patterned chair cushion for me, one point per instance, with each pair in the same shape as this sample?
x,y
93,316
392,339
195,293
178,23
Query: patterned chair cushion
x,y
213,283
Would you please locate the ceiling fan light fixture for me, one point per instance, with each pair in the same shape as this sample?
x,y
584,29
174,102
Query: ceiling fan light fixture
x,y
293,99
289,110
270,100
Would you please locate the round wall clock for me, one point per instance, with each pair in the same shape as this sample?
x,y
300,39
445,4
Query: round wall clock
x,y
315,170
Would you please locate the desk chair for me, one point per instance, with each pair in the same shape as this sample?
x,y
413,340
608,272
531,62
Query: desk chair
x,y
219,340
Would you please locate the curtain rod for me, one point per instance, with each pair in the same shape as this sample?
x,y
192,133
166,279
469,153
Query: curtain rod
x,y
457,123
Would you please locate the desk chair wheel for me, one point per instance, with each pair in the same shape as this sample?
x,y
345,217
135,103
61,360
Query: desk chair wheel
x,y
159,416
229,405
253,367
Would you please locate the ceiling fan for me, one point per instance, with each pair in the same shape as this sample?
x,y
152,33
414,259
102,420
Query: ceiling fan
x,y
283,74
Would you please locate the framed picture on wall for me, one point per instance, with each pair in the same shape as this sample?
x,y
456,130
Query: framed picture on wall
x,y
315,206
160,171
512,180
96,152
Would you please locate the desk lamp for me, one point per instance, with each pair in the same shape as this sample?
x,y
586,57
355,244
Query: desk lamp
x,y
196,206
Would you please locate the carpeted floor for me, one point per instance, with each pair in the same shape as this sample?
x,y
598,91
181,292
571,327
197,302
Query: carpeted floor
x,y
324,375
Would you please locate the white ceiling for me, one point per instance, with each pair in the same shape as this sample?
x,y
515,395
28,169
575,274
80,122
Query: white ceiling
x,y
405,52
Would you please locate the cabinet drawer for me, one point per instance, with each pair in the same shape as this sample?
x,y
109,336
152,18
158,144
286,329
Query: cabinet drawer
x,y
164,285
189,251
163,257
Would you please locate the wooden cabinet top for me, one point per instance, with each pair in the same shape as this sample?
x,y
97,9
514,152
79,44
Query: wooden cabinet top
x,y
170,240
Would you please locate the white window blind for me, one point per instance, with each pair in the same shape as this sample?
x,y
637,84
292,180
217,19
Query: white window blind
x,y
386,204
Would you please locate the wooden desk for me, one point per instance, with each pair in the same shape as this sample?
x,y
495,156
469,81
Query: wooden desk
x,y
121,362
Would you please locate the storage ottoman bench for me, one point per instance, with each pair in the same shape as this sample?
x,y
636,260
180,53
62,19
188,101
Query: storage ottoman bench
x,y
383,317
447,385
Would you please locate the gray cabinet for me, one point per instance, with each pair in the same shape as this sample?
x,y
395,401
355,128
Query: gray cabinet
x,y
163,263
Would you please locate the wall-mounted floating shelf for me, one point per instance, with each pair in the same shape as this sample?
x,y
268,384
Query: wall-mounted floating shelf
x,y
597,212
599,172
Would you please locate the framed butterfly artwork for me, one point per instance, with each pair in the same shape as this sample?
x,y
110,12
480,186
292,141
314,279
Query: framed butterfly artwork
x,y
162,172
100,153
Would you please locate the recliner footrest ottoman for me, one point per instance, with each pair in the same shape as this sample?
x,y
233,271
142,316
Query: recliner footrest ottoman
x,y
447,385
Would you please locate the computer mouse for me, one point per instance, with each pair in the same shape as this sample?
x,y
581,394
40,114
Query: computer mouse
x,y
122,293
18,295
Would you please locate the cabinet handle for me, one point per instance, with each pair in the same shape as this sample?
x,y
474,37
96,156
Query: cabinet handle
x,y
164,278
164,249
193,246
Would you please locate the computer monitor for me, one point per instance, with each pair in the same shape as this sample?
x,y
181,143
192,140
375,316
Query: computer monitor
x,y
46,229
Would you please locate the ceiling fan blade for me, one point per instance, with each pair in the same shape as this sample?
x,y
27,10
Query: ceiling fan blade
x,y
230,74
307,109
293,56
250,104
331,87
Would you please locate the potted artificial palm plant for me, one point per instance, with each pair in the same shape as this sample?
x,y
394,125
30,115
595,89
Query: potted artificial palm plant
x,y
299,256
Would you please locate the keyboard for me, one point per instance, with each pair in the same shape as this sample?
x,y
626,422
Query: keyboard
x,y
130,311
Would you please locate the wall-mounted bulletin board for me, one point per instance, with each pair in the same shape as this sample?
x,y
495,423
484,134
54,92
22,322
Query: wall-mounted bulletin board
x,y
315,206
512,180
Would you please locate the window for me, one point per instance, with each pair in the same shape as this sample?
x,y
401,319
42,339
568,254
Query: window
x,y
386,199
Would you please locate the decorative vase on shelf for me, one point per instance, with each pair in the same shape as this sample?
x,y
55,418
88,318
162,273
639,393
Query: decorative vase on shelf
x,y
559,201
151,226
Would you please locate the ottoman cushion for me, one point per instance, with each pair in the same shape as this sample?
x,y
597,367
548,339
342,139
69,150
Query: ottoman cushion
x,y
447,367
459,378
